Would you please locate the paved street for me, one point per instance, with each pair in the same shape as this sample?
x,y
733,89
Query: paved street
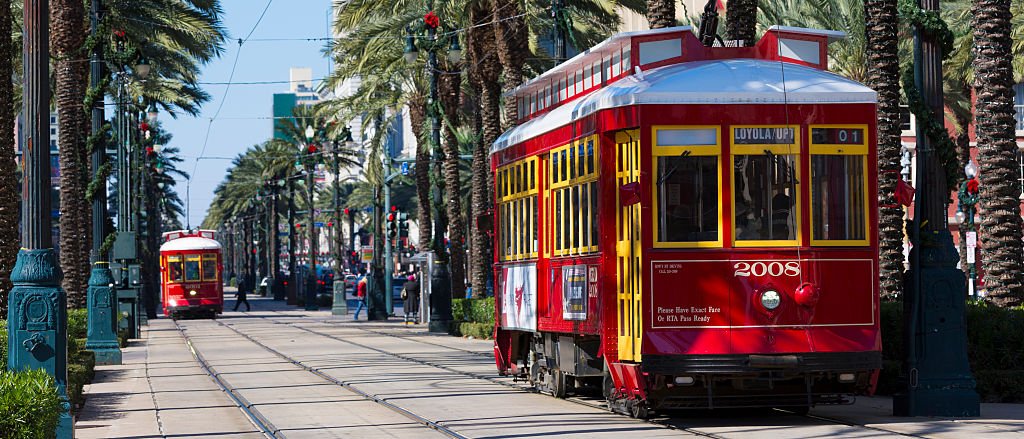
x,y
309,374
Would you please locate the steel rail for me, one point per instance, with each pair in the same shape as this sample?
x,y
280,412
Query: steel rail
x,y
258,420
391,406
532,390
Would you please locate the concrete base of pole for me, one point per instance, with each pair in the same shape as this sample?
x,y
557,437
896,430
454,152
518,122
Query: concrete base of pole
x,y
101,304
440,298
37,325
340,305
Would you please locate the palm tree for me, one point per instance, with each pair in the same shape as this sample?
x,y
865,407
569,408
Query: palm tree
x,y
883,75
741,21
993,79
511,39
661,13
9,190
67,36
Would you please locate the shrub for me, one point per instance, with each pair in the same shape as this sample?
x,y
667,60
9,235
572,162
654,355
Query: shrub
x,y
482,331
481,310
3,344
459,307
995,345
78,325
29,404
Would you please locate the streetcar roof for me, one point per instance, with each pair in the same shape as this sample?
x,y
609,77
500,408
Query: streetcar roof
x,y
190,243
727,81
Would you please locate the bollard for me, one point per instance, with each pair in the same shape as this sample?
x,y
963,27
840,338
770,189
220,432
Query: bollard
x,y
101,336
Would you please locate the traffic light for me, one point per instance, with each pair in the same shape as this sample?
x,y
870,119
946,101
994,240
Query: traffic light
x,y
403,224
392,225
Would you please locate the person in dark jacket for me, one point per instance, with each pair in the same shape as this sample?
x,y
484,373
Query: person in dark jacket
x,y
411,294
243,288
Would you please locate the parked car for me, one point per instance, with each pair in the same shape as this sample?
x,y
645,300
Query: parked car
x,y
350,282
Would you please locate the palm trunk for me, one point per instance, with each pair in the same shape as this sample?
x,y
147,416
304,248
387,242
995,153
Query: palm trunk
x,y
418,119
661,13
1001,241
481,47
9,191
67,30
512,42
448,92
741,20
883,76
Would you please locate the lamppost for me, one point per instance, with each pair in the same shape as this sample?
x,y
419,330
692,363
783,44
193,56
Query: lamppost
x,y
937,377
968,198
37,325
100,300
440,278
309,163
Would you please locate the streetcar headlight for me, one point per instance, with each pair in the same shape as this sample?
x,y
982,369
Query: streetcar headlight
x,y
192,293
770,299
684,381
847,377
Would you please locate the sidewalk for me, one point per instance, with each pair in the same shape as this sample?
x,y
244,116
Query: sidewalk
x,y
158,391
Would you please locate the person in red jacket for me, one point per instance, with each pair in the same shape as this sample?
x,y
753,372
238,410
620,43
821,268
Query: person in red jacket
x,y
360,296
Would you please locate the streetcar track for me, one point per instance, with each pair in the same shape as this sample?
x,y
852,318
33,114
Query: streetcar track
x,y
257,419
383,402
602,405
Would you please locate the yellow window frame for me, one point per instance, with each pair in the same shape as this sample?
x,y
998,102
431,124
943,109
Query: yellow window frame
x,y
517,203
792,149
855,149
202,267
691,150
573,157
181,265
199,271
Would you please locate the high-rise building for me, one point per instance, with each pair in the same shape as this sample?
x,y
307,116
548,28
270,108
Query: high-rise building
x,y
300,92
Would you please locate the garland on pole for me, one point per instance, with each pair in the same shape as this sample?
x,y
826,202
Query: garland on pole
x,y
930,23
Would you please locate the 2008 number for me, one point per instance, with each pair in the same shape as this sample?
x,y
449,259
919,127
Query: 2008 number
x,y
759,269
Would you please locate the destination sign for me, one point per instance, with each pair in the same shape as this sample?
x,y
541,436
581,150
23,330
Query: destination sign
x,y
837,136
764,136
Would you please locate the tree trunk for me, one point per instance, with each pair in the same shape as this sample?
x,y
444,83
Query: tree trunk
x,y
448,94
661,13
9,191
481,44
883,75
741,21
997,150
418,119
67,31
513,46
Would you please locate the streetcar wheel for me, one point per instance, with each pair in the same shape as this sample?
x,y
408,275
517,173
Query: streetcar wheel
x,y
638,409
558,386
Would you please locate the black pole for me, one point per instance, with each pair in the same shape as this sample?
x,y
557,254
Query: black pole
x,y
99,156
311,279
336,230
36,213
559,30
352,233
440,278
937,376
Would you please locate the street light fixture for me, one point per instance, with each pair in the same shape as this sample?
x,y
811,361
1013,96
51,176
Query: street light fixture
x,y
142,68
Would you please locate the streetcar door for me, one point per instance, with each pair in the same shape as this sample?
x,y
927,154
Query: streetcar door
x,y
627,249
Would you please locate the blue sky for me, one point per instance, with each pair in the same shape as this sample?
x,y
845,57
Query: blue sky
x,y
238,125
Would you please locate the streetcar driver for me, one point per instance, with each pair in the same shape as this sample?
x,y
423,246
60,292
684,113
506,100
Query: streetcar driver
x,y
781,208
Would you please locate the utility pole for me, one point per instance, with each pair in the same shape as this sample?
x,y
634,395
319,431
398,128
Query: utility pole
x,y
440,278
557,12
37,296
937,374
101,301
293,277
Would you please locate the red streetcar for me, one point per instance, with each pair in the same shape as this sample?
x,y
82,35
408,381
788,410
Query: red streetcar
x,y
691,227
190,274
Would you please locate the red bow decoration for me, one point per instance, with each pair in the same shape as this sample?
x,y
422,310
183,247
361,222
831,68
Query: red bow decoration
x,y
312,148
431,20
972,186
119,33
904,193
143,126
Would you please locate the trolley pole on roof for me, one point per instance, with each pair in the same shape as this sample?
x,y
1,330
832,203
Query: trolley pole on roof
x,y
100,299
937,375
37,325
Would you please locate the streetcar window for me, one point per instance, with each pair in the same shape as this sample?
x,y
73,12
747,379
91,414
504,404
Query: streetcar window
x,y
533,175
580,162
625,58
558,220
192,268
210,267
174,269
564,176
590,156
554,168
764,190
687,190
575,218
839,198
585,216
593,215
616,67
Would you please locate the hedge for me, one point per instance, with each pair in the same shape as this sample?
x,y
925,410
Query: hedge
x,y
29,404
3,344
473,317
995,348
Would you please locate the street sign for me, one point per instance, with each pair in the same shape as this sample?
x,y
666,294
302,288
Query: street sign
x,y
282,233
972,244
318,224
367,255
405,168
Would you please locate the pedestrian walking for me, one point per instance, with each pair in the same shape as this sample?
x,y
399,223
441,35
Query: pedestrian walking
x,y
243,288
411,295
360,297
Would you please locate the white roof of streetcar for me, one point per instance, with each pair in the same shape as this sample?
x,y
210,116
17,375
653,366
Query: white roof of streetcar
x,y
183,240
714,82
